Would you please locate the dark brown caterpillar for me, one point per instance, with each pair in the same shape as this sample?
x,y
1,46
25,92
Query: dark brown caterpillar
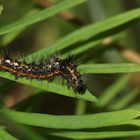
x,y
45,70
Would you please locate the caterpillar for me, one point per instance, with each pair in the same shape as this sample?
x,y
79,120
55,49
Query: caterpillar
x,y
46,69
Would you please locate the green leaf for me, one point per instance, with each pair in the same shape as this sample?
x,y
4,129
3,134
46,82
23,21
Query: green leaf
x,y
125,100
98,31
52,87
83,48
112,91
109,68
135,122
9,37
73,121
40,16
96,135
135,106
80,107
91,44
23,131
6,136
1,9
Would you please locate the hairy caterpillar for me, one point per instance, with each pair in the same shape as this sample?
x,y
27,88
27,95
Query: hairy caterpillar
x,y
45,70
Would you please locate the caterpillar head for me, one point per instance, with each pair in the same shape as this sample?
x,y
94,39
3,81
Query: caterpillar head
x,y
74,78
79,85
